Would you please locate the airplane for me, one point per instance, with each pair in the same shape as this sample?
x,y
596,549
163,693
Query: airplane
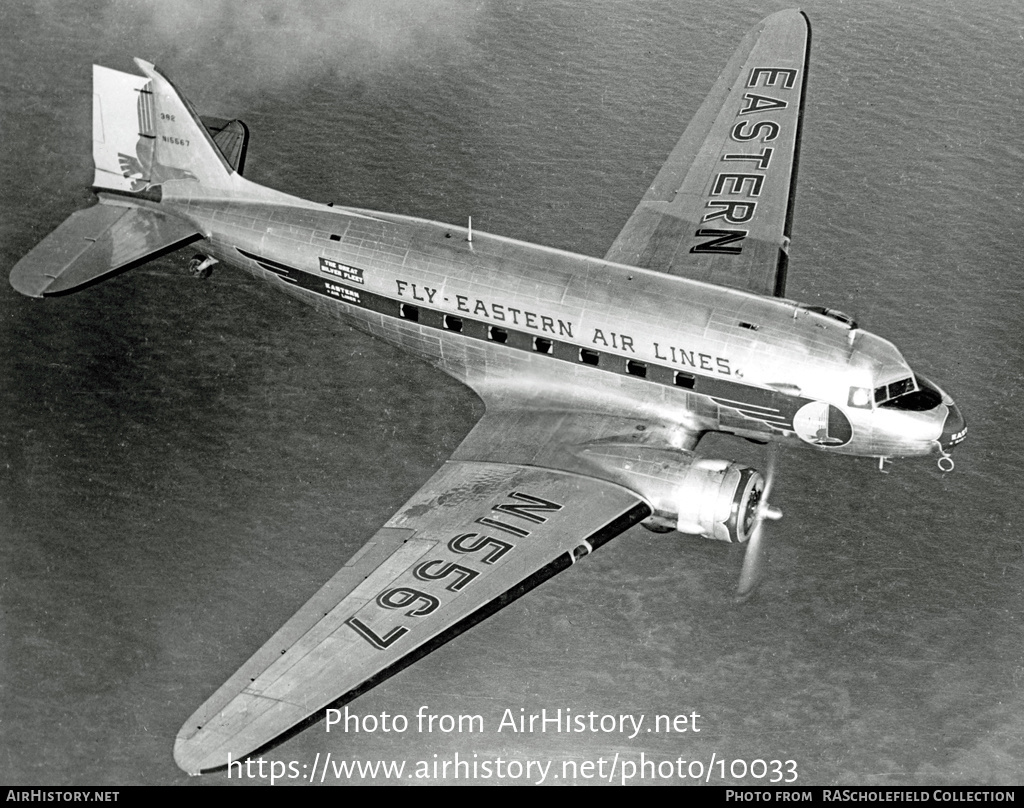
x,y
599,376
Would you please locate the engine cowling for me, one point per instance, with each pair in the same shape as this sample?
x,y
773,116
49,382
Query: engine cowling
x,y
718,499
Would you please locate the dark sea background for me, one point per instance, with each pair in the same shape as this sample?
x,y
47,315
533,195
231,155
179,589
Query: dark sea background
x,y
183,463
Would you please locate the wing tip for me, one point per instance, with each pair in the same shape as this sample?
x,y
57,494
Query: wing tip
x,y
788,12
187,761
786,17
196,758
28,284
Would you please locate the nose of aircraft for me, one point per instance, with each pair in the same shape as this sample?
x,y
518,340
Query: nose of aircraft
x,y
954,429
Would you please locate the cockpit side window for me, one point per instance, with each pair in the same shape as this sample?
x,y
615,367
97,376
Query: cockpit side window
x,y
912,393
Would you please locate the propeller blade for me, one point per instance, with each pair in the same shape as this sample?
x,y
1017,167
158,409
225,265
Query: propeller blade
x,y
753,563
754,557
771,462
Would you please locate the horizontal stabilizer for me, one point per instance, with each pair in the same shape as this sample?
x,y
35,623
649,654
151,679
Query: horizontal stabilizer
x,y
231,137
95,243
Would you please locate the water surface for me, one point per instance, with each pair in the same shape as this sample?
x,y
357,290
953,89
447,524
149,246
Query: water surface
x,y
183,463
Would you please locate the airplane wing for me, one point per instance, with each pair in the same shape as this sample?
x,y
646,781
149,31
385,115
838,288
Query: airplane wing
x,y
477,536
720,210
96,242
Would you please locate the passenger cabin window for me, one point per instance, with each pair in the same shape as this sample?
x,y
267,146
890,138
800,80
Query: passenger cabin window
x,y
410,312
542,345
589,357
634,368
452,323
495,334
684,380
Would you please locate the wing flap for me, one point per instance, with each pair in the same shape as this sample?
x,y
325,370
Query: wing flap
x,y
720,209
472,540
553,438
94,243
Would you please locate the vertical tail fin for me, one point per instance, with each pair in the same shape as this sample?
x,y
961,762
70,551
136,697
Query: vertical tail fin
x,y
145,133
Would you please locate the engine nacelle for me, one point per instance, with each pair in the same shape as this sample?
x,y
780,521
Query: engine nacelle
x,y
718,499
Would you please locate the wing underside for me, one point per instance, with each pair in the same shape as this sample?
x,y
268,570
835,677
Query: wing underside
x,y
473,539
720,209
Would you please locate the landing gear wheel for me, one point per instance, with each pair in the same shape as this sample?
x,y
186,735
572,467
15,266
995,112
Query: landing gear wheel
x,y
201,266
656,528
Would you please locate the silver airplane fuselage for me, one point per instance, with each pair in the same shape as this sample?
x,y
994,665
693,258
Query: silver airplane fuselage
x,y
547,328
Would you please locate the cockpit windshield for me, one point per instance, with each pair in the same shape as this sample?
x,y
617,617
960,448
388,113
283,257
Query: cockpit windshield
x,y
913,393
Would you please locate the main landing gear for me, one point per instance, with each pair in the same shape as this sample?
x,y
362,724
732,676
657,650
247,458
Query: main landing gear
x,y
201,266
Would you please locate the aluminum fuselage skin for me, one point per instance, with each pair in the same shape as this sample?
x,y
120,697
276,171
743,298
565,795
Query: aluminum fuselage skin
x,y
531,326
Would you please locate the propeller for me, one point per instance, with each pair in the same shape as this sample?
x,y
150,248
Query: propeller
x,y
754,558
